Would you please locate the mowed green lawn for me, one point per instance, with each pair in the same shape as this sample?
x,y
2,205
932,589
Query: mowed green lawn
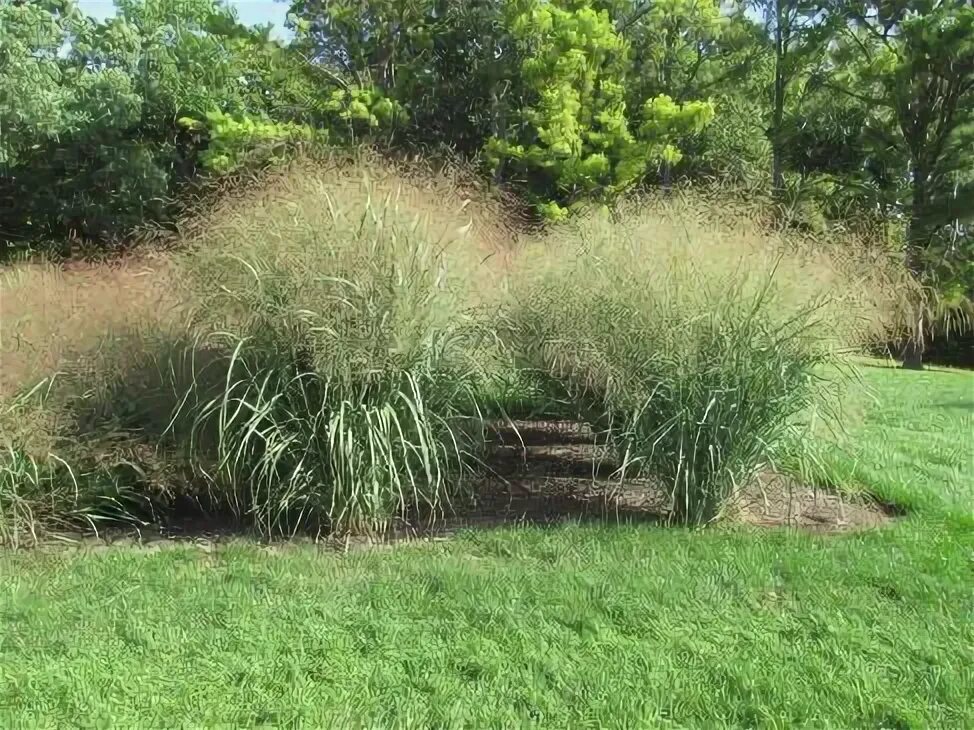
x,y
575,626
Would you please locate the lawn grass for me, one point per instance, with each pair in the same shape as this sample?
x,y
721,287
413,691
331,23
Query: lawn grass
x,y
572,626
912,442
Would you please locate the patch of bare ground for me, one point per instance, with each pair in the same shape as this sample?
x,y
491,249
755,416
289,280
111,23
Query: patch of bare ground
x,y
558,470
538,473
777,500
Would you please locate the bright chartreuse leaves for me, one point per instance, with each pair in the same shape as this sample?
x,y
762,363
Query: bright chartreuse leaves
x,y
235,142
573,138
664,121
363,110
574,134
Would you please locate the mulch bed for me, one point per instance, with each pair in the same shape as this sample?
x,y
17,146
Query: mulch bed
x,y
545,473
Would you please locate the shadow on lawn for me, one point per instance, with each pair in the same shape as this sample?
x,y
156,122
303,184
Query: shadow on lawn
x,y
957,405
929,366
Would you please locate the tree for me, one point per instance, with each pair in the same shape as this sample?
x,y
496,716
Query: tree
x,y
572,138
677,51
799,31
371,41
915,71
89,111
57,113
735,148
34,103
676,47
449,64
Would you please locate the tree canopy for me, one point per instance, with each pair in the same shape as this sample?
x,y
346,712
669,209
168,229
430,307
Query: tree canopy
x,y
847,113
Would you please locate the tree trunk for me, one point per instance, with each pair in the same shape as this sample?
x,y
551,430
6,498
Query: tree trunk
x,y
777,141
912,355
778,106
497,128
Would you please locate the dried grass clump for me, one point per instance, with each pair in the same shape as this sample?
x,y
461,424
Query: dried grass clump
x,y
62,331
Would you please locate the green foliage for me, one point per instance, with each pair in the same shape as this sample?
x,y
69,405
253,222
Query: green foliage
x,y
676,47
91,145
913,68
734,65
234,143
65,147
800,32
734,149
920,87
397,35
366,111
423,72
664,121
34,105
572,136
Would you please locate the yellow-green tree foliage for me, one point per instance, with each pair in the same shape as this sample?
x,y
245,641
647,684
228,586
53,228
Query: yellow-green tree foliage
x,y
573,138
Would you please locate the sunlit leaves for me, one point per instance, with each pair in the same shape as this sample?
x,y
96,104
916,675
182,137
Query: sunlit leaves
x,y
574,137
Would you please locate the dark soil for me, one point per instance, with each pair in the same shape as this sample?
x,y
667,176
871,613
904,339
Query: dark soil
x,y
550,471
546,473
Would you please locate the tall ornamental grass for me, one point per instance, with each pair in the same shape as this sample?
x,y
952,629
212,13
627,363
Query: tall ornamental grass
x,y
320,351
693,345
341,308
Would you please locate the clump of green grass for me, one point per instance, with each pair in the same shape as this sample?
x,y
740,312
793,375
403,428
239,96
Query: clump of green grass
x,y
24,483
346,395
692,347
49,483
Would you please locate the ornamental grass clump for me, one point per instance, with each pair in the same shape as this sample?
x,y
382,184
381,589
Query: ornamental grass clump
x,y
339,310
692,346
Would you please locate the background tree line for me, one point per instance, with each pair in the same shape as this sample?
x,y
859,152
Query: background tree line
x,y
845,114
